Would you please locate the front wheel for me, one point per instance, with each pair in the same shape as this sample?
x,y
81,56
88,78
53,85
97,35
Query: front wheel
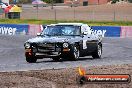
x,y
31,59
98,52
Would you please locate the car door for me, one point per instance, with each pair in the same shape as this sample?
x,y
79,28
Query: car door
x,y
89,41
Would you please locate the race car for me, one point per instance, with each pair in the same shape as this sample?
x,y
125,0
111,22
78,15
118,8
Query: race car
x,y
64,41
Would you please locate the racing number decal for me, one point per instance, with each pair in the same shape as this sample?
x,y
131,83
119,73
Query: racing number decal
x,y
84,44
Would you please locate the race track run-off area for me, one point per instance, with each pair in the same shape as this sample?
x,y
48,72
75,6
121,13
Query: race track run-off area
x,y
115,51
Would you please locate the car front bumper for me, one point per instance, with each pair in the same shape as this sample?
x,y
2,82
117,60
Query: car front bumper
x,y
64,53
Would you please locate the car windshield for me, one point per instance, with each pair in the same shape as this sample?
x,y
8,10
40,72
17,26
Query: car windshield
x,y
68,30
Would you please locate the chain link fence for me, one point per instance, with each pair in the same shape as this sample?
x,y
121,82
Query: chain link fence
x,y
111,13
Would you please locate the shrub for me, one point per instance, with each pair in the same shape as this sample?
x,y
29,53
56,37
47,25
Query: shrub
x,y
130,1
114,1
47,1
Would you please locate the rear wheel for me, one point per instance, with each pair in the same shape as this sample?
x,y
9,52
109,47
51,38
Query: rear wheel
x,y
56,58
98,52
31,59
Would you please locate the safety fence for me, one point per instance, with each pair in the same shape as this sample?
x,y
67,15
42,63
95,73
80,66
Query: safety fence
x,y
89,13
33,29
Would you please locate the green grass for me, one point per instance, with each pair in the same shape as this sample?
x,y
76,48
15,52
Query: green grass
x,y
91,23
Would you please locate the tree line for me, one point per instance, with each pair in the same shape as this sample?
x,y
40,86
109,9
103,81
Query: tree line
x,y
114,1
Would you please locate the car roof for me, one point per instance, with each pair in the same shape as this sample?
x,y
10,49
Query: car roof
x,y
76,24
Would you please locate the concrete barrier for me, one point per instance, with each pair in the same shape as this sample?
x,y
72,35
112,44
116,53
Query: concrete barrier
x,y
107,31
126,31
32,29
13,29
21,29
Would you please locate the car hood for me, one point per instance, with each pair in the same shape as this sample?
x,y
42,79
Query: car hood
x,y
69,39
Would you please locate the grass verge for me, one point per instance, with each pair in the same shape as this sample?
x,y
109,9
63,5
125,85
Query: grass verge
x,y
91,23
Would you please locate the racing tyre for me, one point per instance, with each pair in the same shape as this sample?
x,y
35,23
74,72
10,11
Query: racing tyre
x,y
31,59
81,80
76,53
98,52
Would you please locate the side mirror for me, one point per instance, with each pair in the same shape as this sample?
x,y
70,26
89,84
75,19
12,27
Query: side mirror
x,y
38,34
85,33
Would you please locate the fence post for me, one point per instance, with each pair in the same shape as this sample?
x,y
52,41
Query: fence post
x,y
114,16
93,15
74,14
55,15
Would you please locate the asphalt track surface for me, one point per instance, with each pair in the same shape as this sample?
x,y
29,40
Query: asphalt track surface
x,y
115,51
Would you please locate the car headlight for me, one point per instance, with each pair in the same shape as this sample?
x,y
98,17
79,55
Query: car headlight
x,y
27,45
65,45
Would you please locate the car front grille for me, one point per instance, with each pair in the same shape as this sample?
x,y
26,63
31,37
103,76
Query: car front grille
x,y
46,47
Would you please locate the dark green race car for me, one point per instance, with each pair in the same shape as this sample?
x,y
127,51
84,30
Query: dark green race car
x,y
64,41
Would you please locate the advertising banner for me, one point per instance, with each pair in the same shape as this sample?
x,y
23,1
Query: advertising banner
x,y
25,29
12,29
126,31
107,31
